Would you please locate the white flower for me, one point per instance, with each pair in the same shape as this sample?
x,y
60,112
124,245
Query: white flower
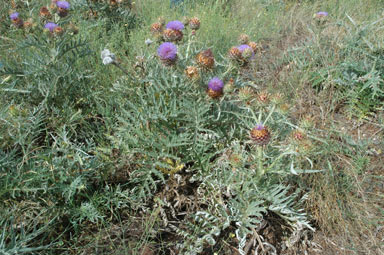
x,y
148,42
107,57
107,60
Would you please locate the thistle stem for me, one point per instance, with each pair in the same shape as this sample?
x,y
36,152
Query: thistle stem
x,y
121,68
260,160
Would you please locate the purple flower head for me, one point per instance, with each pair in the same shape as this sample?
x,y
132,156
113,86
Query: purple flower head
x,y
175,25
246,51
167,51
63,4
243,47
216,84
322,14
50,26
14,16
259,126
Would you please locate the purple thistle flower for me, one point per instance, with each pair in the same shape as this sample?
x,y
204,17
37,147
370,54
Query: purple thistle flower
x,y
243,47
63,4
175,25
14,16
216,84
322,14
167,51
50,26
246,51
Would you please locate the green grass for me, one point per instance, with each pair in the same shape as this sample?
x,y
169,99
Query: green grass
x,y
85,149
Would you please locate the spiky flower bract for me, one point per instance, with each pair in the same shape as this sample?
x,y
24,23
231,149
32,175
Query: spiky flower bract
x,y
194,23
260,135
167,53
205,59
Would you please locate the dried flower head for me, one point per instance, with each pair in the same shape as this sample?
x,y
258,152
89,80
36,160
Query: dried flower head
x,y
255,47
215,87
234,53
157,27
167,53
192,72
260,135
175,25
44,13
171,35
243,39
206,59
194,23
50,26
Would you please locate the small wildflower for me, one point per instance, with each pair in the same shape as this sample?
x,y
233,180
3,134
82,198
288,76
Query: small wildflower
x,y
260,135
50,26
192,72
167,53
175,25
215,87
205,59
194,23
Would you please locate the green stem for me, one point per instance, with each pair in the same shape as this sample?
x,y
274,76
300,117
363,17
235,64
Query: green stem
x,y
260,160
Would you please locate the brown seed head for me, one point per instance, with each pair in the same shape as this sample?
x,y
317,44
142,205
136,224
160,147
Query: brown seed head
x,y
255,47
243,39
44,13
206,59
194,23
192,72
234,53
157,27
171,35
